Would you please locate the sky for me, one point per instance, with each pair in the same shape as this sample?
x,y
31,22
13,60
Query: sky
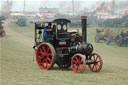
x,y
34,5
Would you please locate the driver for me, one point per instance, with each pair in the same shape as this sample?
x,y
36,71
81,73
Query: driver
x,y
47,32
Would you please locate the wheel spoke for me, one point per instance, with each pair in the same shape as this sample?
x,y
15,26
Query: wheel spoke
x,y
46,63
44,49
80,69
96,67
97,58
40,57
40,50
97,61
75,65
49,59
92,60
81,62
49,54
42,62
77,60
93,66
94,57
48,50
77,68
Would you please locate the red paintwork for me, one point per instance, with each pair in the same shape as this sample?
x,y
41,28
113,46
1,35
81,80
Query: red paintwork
x,y
44,62
78,64
96,62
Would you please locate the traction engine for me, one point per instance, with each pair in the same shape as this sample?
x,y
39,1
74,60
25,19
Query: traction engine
x,y
65,48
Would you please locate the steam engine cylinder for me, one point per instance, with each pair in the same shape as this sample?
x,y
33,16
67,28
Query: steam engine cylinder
x,y
85,49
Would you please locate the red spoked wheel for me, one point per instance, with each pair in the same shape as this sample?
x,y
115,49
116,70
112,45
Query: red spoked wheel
x,y
96,64
78,63
45,56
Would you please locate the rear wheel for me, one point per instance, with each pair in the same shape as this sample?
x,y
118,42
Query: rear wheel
x,y
78,63
45,56
96,64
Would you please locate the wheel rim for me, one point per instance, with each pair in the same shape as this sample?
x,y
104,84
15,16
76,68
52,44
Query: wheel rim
x,y
44,56
96,63
78,63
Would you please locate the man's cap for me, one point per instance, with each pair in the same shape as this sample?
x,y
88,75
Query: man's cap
x,y
50,24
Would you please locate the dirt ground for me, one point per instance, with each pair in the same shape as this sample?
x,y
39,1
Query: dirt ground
x,y
18,68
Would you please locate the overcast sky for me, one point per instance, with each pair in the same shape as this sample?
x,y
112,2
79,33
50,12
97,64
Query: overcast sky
x,y
34,5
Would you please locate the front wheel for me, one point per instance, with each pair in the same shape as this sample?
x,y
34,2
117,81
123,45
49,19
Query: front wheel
x,y
78,63
45,56
97,62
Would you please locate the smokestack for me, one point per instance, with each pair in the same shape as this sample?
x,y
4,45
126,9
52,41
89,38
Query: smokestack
x,y
84,28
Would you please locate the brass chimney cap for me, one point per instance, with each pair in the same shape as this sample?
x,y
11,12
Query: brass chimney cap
x,y
84,17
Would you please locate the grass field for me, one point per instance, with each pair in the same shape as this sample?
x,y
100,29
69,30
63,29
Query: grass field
x,y
18,68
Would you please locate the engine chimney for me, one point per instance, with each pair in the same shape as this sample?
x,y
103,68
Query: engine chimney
x,y
84,29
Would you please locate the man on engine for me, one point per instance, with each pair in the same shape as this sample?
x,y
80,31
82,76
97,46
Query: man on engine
x,y
47,32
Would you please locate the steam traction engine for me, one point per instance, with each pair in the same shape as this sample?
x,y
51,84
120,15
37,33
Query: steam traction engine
x,y
65,48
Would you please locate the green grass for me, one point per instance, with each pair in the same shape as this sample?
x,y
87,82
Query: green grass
x,y
18,67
